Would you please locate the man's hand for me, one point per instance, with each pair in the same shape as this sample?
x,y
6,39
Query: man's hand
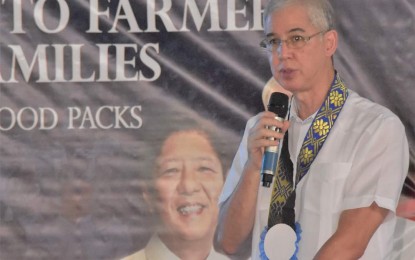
x,y
259,137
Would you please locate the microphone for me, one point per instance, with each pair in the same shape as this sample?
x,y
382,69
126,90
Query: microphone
x,y
278,103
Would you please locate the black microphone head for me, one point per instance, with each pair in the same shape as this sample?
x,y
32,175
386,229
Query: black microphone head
x,y
278,103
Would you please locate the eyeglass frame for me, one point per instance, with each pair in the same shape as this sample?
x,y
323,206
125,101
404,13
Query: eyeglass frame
x,y
265,42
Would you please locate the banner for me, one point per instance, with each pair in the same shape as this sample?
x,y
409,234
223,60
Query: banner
x,y
97,97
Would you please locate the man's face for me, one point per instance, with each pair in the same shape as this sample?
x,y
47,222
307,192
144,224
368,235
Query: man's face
x,y
188,182
296,69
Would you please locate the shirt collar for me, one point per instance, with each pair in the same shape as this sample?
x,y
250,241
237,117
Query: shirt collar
x,y
156,249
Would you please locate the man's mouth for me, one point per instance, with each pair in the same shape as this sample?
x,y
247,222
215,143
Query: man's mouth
x,y
286,71
190,209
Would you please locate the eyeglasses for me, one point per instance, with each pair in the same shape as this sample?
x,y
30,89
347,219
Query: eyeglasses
x,y
294,42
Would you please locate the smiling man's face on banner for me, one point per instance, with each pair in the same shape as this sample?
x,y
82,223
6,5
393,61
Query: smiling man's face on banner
x,y
188,182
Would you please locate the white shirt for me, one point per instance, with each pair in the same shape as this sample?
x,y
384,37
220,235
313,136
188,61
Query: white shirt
x,y
364,160
157,250
404,240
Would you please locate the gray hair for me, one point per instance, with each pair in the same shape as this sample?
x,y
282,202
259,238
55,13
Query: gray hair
x,y
320,12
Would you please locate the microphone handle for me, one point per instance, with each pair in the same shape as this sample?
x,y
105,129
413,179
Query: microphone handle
x,y
270,159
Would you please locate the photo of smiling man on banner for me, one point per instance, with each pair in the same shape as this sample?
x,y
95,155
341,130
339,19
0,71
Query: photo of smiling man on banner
x,y
187,179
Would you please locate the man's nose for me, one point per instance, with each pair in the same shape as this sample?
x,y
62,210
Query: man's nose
x,y
283,50
189,182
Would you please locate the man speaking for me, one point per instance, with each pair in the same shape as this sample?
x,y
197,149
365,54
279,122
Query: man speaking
x,y
342,163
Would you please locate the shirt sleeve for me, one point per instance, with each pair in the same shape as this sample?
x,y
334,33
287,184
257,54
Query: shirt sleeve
x,y
379,167
238,164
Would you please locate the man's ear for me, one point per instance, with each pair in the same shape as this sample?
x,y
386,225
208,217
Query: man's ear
x,y
331,41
